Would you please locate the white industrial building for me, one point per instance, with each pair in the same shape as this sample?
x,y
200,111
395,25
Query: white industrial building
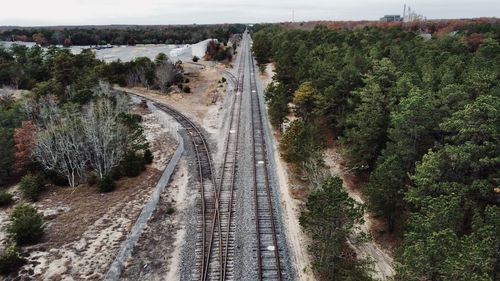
x,y
200,48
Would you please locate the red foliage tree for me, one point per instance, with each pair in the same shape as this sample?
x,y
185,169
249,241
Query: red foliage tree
x,y
474,41
131,42
40,39
67,42
22,38
24,139
212,48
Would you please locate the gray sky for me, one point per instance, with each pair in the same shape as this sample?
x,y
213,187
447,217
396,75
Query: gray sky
x,y
79,12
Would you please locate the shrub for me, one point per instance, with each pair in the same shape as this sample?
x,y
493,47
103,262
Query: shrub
x,y
262,68
132,165
55,178
148,156
186,89
26,225
186,80
170,211
92,180
10,260
106,184
196,59
30,187
116,173
130,119
223,79
5,198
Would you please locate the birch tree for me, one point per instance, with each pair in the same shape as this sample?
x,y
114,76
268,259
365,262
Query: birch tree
x,y
106,138
166,72
61,147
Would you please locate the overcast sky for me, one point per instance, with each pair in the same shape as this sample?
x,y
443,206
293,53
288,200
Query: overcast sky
x,y
81,12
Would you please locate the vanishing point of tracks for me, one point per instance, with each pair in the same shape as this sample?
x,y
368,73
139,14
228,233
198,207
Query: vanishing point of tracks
x,y
215,247
219,259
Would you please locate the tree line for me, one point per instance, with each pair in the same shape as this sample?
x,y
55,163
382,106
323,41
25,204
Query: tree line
x,y
126,35
418,119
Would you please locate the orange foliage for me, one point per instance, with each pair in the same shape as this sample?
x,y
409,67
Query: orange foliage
x,y
24,139
422,26
474,41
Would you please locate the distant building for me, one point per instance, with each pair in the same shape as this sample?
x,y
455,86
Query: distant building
x,y
199,49
391,18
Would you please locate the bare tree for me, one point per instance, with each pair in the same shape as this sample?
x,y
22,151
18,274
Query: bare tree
x,y
166,73
6,96
315,171
44,111
71,140
106,137
138,75
61,147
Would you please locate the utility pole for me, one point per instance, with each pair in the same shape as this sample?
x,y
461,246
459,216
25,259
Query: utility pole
x,y
293,15
404,13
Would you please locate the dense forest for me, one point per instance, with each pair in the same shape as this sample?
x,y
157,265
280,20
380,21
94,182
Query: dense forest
x,y
125,35
418,121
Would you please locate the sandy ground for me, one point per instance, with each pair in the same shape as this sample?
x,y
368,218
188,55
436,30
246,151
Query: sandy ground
x,y
206,103
16,94
85,228
297,239
382,259
291,212
128,53
157,254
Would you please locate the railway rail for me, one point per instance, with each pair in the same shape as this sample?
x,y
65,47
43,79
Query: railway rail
x,y
209,213
215,247
209,231
227,182
232,78
267,248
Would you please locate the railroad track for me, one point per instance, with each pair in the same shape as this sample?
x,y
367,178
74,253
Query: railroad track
x,y
227,183
209,234
208,248
215,247
267,248
214,250
231,78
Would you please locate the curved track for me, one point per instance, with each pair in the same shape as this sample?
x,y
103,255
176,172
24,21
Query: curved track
x,y
210,240
208,228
